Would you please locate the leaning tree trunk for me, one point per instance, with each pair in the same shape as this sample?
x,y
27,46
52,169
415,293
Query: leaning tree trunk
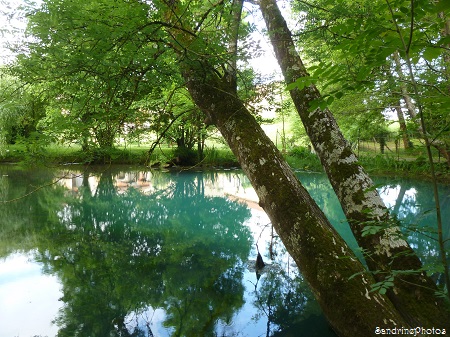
x,y
387,254
326,262
407,144
337,278
408,101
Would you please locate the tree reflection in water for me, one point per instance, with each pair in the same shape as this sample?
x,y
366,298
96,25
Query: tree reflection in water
x,y
139,251
283,298
118,253
175,249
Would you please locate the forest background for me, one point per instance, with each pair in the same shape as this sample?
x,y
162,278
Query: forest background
x,y
371,97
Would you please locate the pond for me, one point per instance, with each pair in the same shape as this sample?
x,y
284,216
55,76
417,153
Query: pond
x,y
125,252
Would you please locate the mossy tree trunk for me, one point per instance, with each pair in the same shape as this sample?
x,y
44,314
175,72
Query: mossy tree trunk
x,y
386,251
337,278
326,262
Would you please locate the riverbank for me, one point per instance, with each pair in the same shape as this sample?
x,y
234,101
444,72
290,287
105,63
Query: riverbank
x,y
298,158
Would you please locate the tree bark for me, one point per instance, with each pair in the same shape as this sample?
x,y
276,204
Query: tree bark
x,y
408,101
386,251
324,259
337,278
407,144
403,128
231,69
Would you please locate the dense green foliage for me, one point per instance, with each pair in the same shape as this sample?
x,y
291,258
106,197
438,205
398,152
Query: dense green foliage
x,y
20,112
351,48
99,92
104,91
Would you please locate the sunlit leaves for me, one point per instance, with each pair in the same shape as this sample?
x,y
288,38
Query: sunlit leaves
x,y
302,82
431,53
350,45
362,36
94,60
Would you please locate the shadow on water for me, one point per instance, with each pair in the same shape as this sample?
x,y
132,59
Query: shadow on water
x,y
153,254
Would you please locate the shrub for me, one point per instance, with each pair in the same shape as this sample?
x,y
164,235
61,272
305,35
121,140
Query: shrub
x,y
302,158
184,157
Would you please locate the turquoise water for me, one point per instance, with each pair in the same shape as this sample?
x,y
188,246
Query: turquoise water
x,y
124,252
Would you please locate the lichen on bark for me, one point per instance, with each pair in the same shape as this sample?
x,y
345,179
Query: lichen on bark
x,y
358,197
335,275
323,257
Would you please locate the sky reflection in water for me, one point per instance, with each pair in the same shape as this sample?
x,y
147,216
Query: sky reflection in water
x,y
139,252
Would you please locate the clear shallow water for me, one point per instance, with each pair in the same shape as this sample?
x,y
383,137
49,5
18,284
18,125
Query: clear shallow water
x,y
124,252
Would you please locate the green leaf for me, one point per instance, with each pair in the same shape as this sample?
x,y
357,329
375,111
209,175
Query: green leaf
x,y
363,73
382,291
292,86
342,28
330,100
443,6
443,40
323,105
431,53
301,82
314,105
405,10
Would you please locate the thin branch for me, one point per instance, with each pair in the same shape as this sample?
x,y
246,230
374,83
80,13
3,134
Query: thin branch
x,y
315,6
411,28
312,30
156,142
33,191
168,25
206,14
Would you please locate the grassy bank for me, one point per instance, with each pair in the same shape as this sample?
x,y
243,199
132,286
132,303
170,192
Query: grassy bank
x,y
132,155
405,163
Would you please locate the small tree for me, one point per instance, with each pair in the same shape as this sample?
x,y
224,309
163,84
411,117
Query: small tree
x,y
21,109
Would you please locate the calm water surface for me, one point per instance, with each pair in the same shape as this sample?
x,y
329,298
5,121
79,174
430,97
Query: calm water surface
x,y
126,252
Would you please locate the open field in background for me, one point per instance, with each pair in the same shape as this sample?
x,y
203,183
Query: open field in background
x,y
417,152
394,161
129,154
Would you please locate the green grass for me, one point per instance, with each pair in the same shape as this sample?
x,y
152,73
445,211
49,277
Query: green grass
x,y
373,149
396,162
302,159
220,157
132,154
73,154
